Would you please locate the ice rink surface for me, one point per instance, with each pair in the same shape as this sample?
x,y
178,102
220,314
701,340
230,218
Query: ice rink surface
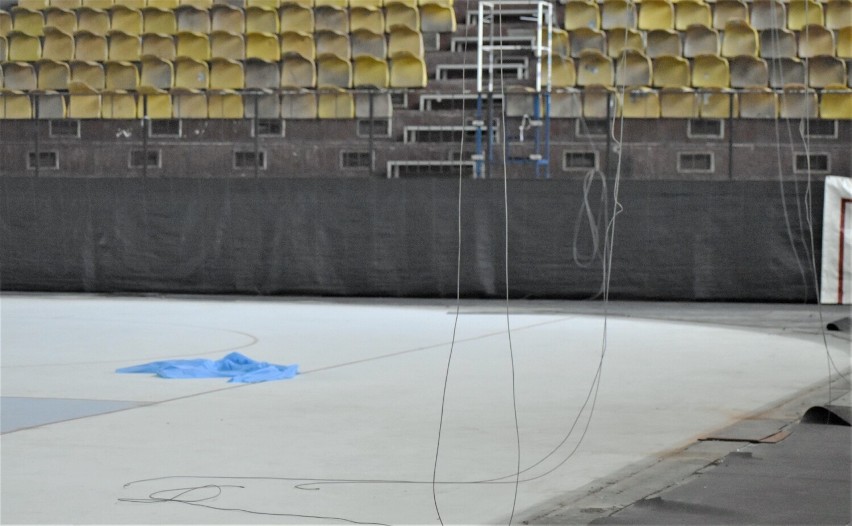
x,y
77,437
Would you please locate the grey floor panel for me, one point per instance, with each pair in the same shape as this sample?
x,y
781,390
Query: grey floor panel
x,y
21,413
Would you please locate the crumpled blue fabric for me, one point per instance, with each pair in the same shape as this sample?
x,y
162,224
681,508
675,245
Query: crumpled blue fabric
x,y
238,367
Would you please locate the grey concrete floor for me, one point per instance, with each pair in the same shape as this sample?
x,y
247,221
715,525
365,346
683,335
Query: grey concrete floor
x,y
364,413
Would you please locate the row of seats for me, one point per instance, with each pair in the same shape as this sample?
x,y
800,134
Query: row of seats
x,y
403,71
85,46
207,4
84,103
737,39
665,14
634,68
428,18
81,103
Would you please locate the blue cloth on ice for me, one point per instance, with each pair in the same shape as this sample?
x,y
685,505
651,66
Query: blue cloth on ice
x,y
239,368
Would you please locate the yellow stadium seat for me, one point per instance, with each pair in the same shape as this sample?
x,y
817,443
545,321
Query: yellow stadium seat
x,y
825,70
124,47
777,43
594,68
619,39
370,72
566,103
748,71
6,23
786,70
134,4
726,10
678,103
228,18
98,4
265,104
192,45
691,12
89,73
409,3
803,12
333,70
155,103
768,14
584,39
119,104
15,105
382,105
53,75
559,41
19,76
191,73
164,4
192,19
189,103
798,102
844,42
563,73
405,41
224,104
275,4
121,76
224,44
363,18
367,43
640,103
162,46
200,4
331,43
717,103
159,20
263,46
299,105
399,14
618,14
633,69
66,4
335,104
301,44
341,4
226,74
262,20
663,42
28,21
700,40
95,21
599,102
297,72
370,4
758,103
407,71
297,18
815,40
90,47
62,19
329,18
57,44
838,14
50,105
35,5
656,14
24,47
127,19
710,71
436,18
671,72
267,75
582,13
836,103
157,73
84,102
4,49
739,39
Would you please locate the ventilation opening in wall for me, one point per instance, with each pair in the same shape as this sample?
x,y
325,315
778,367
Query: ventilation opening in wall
x,y
821,128
65,128
695,162
381,127
142,158
355,160
164,128
399,99
592,127
576,160
269,128
705,129
815,163
44,160
247,160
